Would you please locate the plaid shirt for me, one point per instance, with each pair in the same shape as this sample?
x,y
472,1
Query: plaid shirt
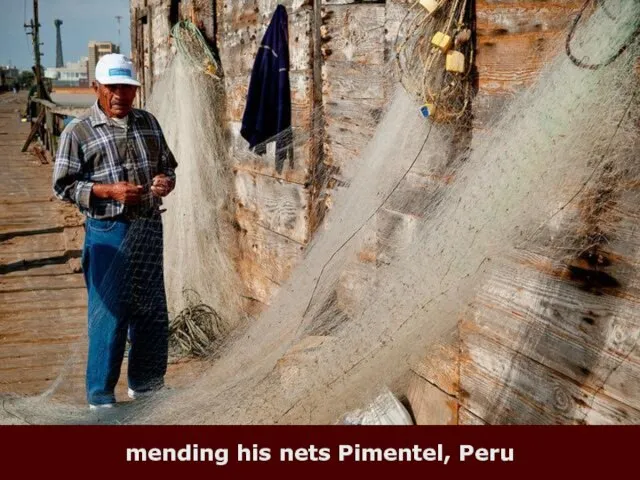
x,y
94,149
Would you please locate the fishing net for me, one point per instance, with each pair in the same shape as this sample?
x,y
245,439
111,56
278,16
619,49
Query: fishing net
x,y
418,231
199,217
193,48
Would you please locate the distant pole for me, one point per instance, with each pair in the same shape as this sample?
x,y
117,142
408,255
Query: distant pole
x,y
42,93
118,18
59,60
35,33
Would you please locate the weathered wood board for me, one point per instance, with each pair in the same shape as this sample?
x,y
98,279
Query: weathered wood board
x,y
522,342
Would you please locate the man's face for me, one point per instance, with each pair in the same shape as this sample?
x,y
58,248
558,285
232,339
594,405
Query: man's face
x,y
116,100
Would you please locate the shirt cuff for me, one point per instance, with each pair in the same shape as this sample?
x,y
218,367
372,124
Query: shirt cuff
x,y
83,194
171,174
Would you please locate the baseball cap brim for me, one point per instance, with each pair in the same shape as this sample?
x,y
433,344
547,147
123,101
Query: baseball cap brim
x,y
118,80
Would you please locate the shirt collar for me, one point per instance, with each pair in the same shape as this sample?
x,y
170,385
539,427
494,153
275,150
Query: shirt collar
x,y
98,117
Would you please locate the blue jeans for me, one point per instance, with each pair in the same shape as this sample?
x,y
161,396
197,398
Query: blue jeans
x,y
122,263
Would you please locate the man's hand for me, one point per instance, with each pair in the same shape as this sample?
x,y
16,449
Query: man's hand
x,y
123,192
162,185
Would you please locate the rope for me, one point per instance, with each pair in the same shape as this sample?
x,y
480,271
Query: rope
x,y
196,329
584,62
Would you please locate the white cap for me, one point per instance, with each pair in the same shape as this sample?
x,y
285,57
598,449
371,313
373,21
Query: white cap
x,y
115,68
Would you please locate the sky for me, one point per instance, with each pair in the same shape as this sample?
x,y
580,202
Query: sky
x,y
83,20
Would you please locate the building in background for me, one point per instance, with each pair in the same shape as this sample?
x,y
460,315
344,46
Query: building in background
x,y
73,74
8,77
96,51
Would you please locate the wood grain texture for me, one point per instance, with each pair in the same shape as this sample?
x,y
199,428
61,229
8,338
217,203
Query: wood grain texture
x,y
500,385
441,367
514,62
353,81
353,77
499,18
349,126
275,204
465,417
272,207
515,39
301,98
241,39
355,33
265,262
587,339
429,404
294,171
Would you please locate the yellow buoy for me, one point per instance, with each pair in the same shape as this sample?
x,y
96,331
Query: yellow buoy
x,y
455,62
430,5
442,41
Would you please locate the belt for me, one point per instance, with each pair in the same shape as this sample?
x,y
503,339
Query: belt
x,y
138,214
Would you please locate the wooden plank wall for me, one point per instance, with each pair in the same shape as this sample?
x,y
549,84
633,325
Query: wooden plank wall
x,y
272,208
358,44
353,74
277,212
520,355
536,346
150,42
513,38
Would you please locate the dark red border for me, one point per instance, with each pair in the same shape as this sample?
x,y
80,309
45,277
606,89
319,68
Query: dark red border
x,y
100,451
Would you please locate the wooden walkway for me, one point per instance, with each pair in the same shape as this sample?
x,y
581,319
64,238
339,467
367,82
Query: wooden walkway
x,y
42,298
42,291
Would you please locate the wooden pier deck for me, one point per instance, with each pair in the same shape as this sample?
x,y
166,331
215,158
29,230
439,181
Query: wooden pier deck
x,y
42,295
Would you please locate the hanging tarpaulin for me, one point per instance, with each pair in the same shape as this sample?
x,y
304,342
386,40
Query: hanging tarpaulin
x,y
267,116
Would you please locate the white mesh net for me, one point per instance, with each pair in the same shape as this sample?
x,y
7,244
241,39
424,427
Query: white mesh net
x,y
407,246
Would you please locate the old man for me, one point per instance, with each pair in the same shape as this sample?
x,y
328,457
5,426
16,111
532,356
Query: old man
x,y
115,165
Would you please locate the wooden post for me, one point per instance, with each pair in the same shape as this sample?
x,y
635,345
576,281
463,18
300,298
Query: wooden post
x,y
34,129
150,36
48,123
